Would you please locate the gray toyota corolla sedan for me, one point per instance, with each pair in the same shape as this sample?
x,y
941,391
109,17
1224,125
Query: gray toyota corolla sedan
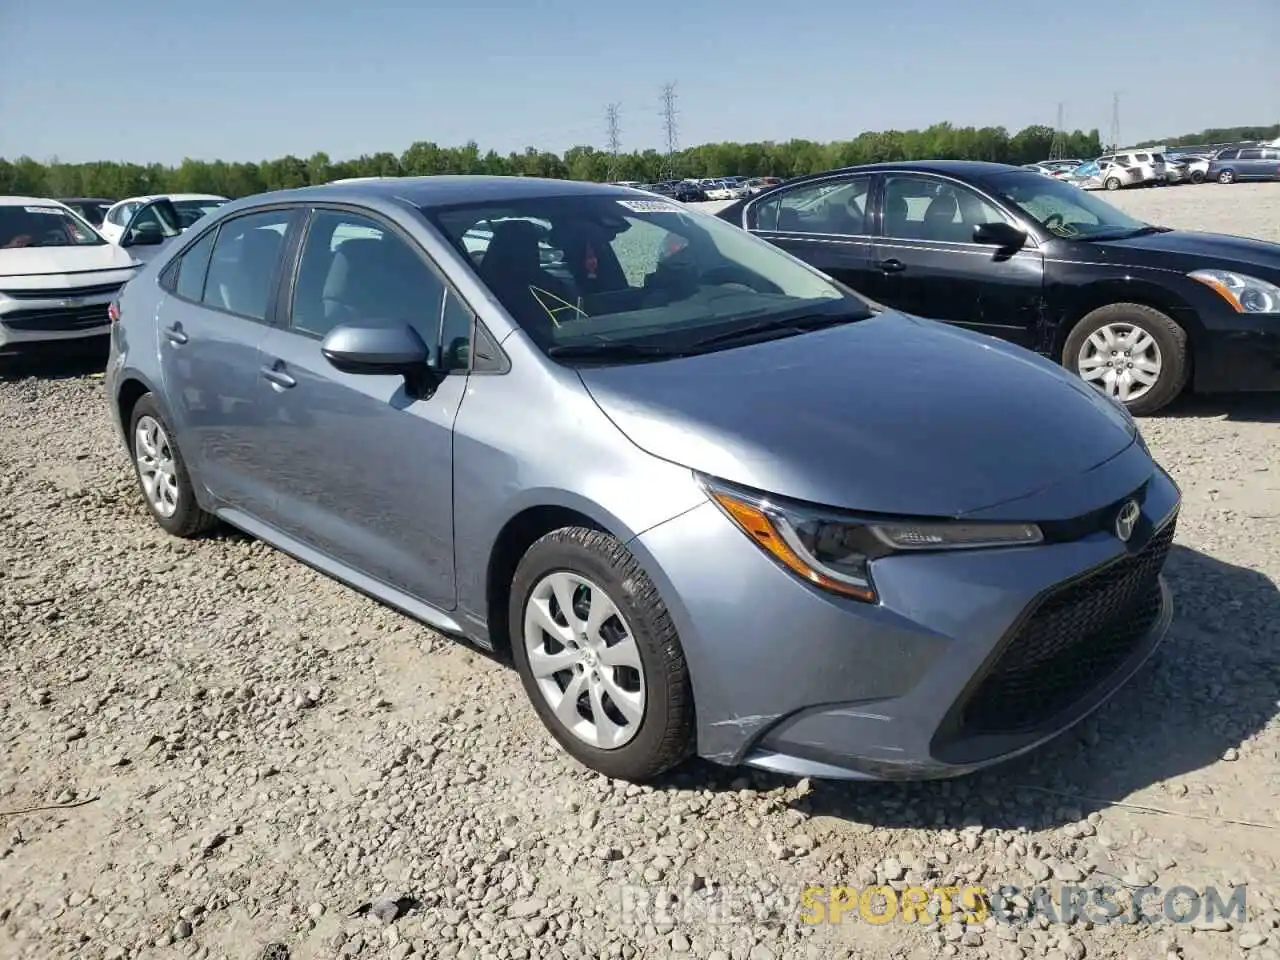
x,y
708,500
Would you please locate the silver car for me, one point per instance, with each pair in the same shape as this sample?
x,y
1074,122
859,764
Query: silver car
x,y
707,499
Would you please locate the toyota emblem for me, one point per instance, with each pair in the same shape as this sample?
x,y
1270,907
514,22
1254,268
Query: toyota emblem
x,y
1127,520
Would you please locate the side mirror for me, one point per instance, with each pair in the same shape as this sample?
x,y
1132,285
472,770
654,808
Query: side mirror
x,y
142,238
381,351
1004,236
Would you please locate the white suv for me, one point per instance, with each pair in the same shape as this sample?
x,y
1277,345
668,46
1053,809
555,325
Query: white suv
x,y
1151,165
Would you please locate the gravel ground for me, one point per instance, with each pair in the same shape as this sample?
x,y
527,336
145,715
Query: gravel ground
x,y
245,759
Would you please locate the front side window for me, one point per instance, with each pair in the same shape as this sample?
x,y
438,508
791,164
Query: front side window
x,y
633,275
242,268
923,208
355,270
42,225
1228,155
830,206
189,211
1062,209
158,219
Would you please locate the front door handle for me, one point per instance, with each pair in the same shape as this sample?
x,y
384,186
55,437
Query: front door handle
x,y
892,265
278,377
175,334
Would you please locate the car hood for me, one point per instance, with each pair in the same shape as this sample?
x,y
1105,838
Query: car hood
x,y
1193,249
46,261
894,414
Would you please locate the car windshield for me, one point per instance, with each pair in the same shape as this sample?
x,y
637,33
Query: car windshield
x,y
43,225
1064,209
189,211
620,273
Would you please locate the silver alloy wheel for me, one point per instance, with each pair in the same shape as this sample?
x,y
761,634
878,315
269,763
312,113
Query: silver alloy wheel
x,y
156,469
1122,360
584,659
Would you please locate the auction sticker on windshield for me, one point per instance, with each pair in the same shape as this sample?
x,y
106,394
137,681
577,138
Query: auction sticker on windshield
x,y
650,206
53,210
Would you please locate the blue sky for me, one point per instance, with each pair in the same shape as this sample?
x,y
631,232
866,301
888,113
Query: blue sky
x,y
250,79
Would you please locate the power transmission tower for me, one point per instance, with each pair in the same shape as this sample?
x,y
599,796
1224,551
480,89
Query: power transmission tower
x,y
1115,122
615,139
669,128
1058,148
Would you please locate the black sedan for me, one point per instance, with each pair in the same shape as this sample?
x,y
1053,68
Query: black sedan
x,y
1140,311
93,209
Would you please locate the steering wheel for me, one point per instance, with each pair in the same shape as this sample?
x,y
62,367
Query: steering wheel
x,y
730,275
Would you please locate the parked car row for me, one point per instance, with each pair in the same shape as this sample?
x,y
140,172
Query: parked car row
x,y
1158,166
61,262
649,466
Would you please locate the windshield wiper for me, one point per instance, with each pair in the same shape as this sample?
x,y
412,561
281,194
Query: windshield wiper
x,y
617,350
785,324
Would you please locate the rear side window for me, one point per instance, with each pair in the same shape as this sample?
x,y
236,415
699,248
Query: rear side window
x,y
193,266
1250,154
242,268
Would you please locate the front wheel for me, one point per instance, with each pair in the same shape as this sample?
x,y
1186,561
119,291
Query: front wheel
x,y
599,657
1131,352
1227,176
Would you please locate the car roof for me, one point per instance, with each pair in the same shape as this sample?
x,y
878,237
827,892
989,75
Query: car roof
x,y
971,169
29,202
444,191
148,197
85,200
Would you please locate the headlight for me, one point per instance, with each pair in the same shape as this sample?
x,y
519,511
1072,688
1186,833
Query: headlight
x,y
1245,294
835,552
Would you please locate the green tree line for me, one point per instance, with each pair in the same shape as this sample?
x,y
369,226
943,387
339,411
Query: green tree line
x,y
108,178
1217,135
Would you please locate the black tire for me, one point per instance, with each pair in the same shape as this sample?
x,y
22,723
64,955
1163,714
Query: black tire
x,y
666,730
1171,339
1226,176
189,519
1111,183
1197,176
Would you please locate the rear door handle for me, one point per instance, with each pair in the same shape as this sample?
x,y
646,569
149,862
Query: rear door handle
x,y
175,334
892,265
278,377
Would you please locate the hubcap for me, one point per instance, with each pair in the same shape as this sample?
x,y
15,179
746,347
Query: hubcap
x,y
156,469
1121,360
584,659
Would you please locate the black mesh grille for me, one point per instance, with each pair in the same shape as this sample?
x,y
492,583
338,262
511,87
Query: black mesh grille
x,y
1075,638
64,293
73,318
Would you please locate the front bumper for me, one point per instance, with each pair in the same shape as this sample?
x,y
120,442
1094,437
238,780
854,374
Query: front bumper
x,y
970,657
1238,353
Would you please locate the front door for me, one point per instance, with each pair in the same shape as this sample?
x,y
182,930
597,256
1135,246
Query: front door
x,y
825,224
362,472
220,305
926,263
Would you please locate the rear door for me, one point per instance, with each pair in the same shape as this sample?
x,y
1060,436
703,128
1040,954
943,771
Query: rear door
x,y
360,471
925,260
220,304
824,223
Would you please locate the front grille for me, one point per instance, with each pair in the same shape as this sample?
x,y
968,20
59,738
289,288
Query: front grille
x,y
65,293
1073,639
74,318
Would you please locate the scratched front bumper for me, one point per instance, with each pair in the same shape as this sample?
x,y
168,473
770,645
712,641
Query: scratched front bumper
x,y
790,678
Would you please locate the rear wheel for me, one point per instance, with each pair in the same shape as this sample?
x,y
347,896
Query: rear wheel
x,y
1197,176
1131,352
599,656
162,473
